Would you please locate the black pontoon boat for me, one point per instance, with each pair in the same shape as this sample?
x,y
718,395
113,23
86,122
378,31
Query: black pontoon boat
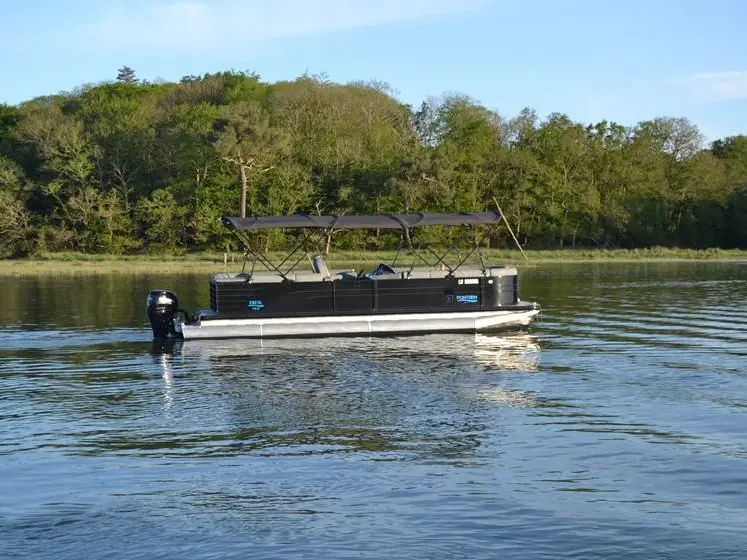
x,y
282,302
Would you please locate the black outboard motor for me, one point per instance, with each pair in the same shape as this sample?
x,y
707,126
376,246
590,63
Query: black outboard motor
x,y
162,308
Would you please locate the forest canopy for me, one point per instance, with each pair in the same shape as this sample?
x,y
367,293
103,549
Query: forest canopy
x,y
130,166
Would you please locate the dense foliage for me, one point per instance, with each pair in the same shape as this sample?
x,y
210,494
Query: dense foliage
x,y
130,166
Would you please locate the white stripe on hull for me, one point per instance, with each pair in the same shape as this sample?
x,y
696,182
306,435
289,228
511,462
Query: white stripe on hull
x,y
358,324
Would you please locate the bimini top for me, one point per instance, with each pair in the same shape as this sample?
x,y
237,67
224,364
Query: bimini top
x,y
383,221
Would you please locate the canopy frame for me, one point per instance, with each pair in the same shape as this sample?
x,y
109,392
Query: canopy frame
x,y
310,227
376,221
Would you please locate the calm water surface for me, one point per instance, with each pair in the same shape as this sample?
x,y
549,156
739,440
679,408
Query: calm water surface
x,y
616,427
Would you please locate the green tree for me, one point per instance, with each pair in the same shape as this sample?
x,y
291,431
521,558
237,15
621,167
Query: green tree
x,y
15,219
733,152
126,75
247,143
162,220
123,165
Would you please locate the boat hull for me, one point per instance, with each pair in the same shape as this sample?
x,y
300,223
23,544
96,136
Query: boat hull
x,y
358,325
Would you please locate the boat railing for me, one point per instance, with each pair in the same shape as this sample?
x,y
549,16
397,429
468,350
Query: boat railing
x,y
350,275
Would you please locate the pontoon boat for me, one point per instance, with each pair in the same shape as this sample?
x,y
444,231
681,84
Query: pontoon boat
x,y
285,302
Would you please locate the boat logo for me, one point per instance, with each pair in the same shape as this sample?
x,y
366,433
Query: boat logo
x,y
468,298
256,305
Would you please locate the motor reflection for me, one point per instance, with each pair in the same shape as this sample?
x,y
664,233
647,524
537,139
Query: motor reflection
x,y
167,354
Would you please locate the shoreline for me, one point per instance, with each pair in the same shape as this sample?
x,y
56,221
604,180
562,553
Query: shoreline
x,y
73,263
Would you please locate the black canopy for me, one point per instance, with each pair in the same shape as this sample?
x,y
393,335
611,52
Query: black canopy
x,y
393,221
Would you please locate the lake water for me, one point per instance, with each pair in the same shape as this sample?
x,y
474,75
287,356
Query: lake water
x,y
615,428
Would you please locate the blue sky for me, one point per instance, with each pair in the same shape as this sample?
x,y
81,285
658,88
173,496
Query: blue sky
x,y
617,60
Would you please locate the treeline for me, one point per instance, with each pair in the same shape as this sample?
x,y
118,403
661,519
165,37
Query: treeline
x,y
130,166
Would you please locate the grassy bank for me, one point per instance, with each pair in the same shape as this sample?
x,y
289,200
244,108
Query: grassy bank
x,y
65,263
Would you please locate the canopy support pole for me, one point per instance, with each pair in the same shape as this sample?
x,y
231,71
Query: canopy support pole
x,y
452,247
245,240
505,221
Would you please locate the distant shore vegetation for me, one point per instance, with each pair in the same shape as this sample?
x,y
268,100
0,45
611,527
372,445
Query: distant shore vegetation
x,y
209,262
130,167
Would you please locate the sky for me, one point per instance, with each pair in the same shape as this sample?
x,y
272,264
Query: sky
x,y
616,60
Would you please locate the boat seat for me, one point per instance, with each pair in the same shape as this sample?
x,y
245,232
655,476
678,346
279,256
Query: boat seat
x,y
464,272
502,271
427,273
470,272
392,276
222,277
319,266
304,276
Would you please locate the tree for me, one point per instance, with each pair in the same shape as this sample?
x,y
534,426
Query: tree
x,y
245,141
700,198
570,197
677,137
126,75
611,176
15,219
467,139
126,164
162,219
733,152
8,120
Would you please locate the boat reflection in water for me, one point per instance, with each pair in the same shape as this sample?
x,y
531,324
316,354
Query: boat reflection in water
x,y
507,351
476,367
516,351
436,396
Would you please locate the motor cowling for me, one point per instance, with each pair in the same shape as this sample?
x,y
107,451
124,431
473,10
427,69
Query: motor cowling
x,y
162,309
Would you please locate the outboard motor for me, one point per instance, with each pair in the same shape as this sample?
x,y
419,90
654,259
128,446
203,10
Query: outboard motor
x,y
162,308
